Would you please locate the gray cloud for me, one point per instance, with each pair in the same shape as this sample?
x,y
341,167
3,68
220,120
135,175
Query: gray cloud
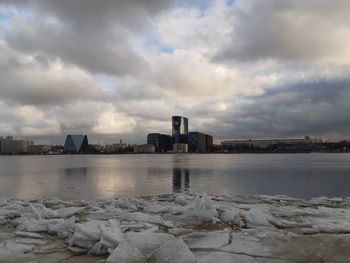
x,y
91,34
294,30
121,68
318,108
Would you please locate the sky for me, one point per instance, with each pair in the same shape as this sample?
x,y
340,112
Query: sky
x,y
120,69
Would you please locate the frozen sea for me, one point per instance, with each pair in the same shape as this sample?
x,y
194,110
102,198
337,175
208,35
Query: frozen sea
x,y
107,176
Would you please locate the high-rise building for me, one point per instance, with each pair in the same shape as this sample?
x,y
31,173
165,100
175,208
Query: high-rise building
x,y
161,142
179,129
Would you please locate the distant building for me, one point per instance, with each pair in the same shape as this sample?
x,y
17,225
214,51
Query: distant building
x,y
180,148
199,142
11,146
76,144
270,144
145,148
39,149
179,129
161,142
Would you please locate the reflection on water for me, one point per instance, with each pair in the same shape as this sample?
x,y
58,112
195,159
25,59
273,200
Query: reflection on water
x,y
181,180
80,171
97,177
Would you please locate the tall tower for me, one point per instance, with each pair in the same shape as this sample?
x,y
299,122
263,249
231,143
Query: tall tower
x,y
179,129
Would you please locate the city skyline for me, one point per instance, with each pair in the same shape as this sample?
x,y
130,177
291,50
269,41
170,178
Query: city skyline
x,y
121,69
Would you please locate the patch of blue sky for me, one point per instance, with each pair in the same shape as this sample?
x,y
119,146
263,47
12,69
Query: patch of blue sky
x,y
152,41
200,4
107,83
230,2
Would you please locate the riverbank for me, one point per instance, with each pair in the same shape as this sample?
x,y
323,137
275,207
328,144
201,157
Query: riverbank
x,y
176,228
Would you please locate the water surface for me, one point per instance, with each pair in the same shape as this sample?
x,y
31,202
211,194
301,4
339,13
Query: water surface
x,y
108,176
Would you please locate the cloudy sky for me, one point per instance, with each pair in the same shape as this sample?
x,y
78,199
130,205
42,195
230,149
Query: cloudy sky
x,y
121,68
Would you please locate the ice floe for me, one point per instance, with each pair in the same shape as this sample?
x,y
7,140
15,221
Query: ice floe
x,y
176,228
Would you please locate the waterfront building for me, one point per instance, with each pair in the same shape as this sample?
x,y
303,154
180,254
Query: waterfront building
x,y
161,142
199,142
39,149
180,148
269,144
11,146
179,129
145,148
76,144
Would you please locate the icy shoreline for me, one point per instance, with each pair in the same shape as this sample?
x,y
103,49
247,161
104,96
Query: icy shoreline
x,y
176,228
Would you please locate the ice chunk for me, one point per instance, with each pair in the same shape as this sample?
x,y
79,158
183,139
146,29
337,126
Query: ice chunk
x,y
255,218
138,216
230,215
181,200
86,234
126,253
222,257
205,240
147,242
155,208
29,234
67,211
40,225
126,203
173,251
63,229
111,236
203,209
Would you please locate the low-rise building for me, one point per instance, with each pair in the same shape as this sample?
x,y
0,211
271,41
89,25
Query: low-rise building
x,y
180,148
268,144
145,148
39,149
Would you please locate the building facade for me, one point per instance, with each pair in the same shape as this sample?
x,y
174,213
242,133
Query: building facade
x,y
76,144
180,148
179,129
199,142
145,148
161,142
10,146
270,144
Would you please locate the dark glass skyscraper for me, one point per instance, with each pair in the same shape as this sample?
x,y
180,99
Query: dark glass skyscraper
x,y
162,142
179,129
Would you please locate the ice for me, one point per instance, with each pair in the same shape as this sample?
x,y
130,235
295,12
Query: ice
x,y
126,253
266,229
29,234
13,253
231,215
40,225
256,218
207,240
126,203
203,209
67,211
142,217
86,234
181,200
222,257
173,251
147,242
63,229
111,236
155,208
248,245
